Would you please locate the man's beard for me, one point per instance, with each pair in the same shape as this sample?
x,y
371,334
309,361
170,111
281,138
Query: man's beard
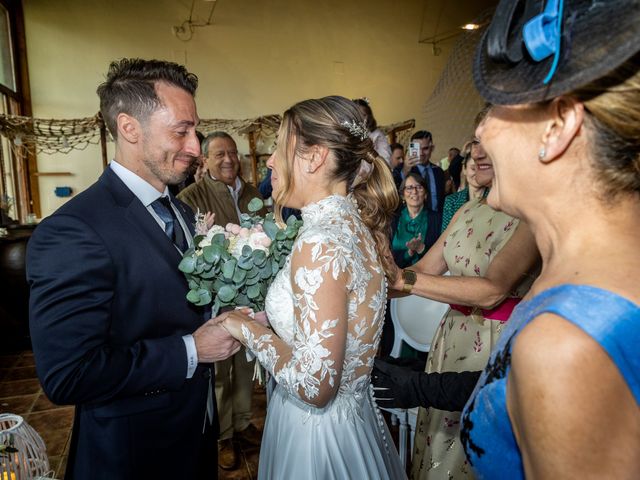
x,y
162,168
167,175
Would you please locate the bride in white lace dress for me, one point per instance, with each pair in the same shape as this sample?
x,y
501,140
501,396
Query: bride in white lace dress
x,y
326,306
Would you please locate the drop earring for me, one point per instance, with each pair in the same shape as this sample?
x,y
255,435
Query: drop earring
x,y
308,168
542,153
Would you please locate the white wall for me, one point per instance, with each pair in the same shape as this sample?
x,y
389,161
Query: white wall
x,y
259,57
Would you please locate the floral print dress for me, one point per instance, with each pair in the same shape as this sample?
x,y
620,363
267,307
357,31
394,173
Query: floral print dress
x,y
461,342
326,307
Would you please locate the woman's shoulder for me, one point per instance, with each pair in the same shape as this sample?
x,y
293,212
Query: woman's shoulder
x,y
559,377
327,233
583,303
456,197
568,318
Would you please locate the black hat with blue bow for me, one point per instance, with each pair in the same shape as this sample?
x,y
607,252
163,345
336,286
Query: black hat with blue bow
x,y
535,50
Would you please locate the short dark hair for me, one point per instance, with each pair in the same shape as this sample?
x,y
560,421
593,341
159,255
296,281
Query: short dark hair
x,y
370,120
417,177
395,146
130,88
209,138
455,149
422,134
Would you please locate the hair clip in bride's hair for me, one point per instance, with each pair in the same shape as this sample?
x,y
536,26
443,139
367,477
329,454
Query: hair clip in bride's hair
x,y
357,129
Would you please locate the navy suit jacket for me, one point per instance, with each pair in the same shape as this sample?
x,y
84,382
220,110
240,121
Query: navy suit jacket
x,y
107,316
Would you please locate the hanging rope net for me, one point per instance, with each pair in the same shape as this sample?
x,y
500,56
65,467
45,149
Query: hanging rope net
x,y
62,136
452,107
50,136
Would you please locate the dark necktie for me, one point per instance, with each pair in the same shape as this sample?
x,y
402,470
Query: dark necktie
x,y
429,176
162,206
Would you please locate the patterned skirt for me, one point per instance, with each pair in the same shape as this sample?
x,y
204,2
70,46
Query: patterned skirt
x,y
461,343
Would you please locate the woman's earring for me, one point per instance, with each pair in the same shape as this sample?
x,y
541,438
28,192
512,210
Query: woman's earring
x,y
542,153
308,168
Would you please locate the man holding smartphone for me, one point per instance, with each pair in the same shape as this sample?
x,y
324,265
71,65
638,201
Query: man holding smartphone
x,y
419,161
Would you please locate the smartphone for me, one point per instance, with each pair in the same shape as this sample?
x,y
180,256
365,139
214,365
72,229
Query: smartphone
x,y
414,149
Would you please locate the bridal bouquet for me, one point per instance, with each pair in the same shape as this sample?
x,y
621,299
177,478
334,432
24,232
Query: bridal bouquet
x,y
234,265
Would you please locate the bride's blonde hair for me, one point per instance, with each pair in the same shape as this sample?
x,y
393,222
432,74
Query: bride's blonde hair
x,y
328,122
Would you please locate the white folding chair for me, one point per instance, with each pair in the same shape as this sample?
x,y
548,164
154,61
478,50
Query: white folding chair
x,y
415,320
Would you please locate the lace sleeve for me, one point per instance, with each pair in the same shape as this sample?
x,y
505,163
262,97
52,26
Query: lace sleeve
x,y
311,367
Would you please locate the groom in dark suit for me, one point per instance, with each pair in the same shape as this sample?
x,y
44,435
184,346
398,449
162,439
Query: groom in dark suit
x,y
112,331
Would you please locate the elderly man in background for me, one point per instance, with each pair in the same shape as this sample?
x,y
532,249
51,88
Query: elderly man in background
x,y
223,192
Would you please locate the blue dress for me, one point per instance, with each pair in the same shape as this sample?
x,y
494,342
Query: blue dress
x,y
611,320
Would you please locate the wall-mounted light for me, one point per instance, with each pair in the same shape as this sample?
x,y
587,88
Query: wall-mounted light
x,y
184,31
470,26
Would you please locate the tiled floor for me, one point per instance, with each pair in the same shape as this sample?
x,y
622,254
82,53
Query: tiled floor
x,y
20,393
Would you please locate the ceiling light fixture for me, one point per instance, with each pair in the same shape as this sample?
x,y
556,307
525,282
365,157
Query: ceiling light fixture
x,y
448,35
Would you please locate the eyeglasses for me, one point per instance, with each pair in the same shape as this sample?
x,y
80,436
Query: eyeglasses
x,y
414,188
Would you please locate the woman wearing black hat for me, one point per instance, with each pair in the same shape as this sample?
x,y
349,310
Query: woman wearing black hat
x,y
560,395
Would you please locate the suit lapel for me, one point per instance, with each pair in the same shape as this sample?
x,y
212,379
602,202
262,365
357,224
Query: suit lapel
x,y
139,218
187,214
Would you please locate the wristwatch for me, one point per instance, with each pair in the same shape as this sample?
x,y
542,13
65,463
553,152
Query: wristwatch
x,y
409,277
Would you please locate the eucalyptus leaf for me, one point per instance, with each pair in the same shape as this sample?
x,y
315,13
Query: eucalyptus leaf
x,y
270,228
259,257
255,204
254,272
215,307
239,276
246,251
193,296
281,235
252,280
266,273
200,266
227,293
212,253
218,239
208,273
205,297
187,264
275,266
242,299
245,263
253,291
291,232
228,268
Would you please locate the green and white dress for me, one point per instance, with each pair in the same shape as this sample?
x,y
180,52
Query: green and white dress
x,y
461,342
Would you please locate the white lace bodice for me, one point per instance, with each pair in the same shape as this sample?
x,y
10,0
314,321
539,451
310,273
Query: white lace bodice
x,y
327,307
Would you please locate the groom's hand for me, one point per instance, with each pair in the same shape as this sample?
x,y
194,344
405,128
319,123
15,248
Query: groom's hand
x,y
214,343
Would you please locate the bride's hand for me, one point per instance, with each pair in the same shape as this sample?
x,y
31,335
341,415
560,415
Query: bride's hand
x,y
262,319
233,321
